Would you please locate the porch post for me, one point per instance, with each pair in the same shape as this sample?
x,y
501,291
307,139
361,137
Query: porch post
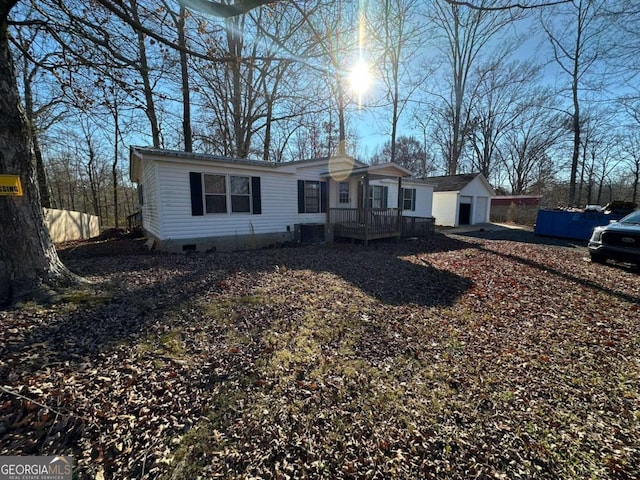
x,y
328,227
365,205
400,206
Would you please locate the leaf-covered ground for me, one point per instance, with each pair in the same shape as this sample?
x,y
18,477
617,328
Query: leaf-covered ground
x,y
454,357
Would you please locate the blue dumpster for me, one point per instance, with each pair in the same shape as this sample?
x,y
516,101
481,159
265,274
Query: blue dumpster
x,y
574,225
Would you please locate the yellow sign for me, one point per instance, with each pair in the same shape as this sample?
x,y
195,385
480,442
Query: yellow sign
x,y
10,185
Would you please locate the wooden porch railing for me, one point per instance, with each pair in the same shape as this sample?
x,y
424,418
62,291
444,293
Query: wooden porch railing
x,y
365,223
134,220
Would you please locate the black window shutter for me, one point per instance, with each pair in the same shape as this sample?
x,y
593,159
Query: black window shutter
x,y
195,180
413,200
323,197
385,196
300,196
256,199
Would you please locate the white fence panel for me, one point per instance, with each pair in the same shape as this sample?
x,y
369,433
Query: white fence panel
x,y
66,225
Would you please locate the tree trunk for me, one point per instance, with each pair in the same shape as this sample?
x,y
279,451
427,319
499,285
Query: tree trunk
x,y
29,263
143,69
184,72
636,180
235,44
114,167
342,135
27,77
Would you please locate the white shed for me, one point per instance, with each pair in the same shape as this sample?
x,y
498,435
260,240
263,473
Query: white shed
x,y
461,199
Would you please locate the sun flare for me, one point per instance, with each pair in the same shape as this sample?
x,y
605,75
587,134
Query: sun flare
x,y
360,77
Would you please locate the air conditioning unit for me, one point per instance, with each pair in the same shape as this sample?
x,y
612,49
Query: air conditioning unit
x,y
309,232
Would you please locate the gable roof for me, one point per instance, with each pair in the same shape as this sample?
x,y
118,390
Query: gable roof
x,y
454,183
341,163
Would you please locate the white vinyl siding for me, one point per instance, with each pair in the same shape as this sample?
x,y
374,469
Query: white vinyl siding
x,y
423,202
279,204
445,208
481,210
151,206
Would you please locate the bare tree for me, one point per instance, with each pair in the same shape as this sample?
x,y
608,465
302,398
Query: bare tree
x,y
400,33
28,259
409,152
465,33
576,34
502,92
632,161
527,147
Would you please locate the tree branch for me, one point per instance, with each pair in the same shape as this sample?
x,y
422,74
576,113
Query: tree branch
x,y
522,6
224,11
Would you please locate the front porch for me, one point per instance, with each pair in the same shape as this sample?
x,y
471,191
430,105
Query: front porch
x,y
365,223
365,202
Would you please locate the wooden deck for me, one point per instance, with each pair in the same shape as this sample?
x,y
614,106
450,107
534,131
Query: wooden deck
x,y
365,223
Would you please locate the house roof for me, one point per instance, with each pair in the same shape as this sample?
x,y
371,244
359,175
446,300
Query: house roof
x,y
336,165
419,181
160,152
451,183
455,183
380,170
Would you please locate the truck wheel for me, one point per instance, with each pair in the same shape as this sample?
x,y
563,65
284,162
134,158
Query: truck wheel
x,y
597,258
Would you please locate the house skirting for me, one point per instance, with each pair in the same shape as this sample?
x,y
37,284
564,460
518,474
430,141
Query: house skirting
x,y
220,244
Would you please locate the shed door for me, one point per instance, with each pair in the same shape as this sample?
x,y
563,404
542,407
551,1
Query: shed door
x,y
464,214
481,209
464,210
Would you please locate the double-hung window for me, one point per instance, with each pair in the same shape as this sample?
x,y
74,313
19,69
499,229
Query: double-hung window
x,y
240,194
409,199
377,196
312,196
215,193
222,191
343,193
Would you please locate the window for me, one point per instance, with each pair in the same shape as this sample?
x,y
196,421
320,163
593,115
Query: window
x,y
240,194
343,192
377,196
218,195
215,193
312,196
408,198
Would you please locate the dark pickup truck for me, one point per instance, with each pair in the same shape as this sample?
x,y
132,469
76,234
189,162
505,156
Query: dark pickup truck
x,y
618,241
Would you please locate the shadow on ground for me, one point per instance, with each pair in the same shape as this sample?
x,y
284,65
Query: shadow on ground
x,y
518,235
143,289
